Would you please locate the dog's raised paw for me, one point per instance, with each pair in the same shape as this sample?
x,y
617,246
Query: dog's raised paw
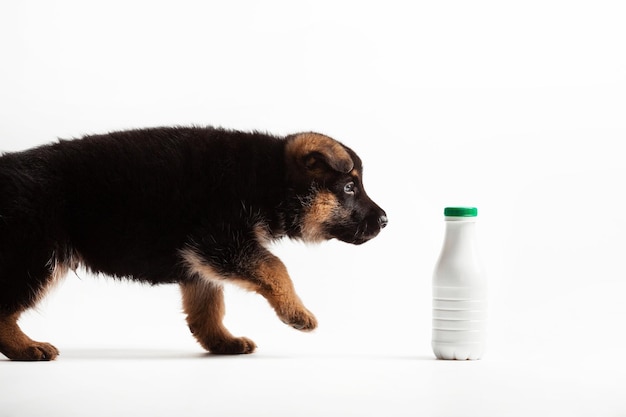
x,y
302,320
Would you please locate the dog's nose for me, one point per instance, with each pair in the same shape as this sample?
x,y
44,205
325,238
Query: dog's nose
x,y
382,221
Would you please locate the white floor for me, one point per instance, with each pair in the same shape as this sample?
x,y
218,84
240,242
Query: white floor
x,y
151,382
557,356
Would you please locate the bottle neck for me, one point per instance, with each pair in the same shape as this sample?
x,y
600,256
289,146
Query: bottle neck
x,y
460,231
459,263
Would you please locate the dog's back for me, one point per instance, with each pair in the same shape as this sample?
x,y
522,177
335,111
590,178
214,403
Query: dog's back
x,y
124,202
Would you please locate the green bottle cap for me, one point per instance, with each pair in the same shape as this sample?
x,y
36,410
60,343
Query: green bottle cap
x,y
460,211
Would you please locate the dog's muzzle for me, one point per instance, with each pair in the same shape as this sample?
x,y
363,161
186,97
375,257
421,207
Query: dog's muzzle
x,y
371,226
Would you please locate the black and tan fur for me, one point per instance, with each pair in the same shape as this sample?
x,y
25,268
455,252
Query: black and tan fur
x,y
194,206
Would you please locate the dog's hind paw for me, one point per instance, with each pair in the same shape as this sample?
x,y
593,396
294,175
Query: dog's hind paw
x,y
234,346
35,351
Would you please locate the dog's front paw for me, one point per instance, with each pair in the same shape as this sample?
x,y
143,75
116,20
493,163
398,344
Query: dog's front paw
x,y
301,319
232,346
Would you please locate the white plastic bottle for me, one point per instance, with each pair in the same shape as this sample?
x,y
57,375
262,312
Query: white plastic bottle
x,y
459,290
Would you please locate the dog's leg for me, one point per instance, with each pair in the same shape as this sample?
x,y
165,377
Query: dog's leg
x,y
270,278
203,302
15,345
256,269
18,293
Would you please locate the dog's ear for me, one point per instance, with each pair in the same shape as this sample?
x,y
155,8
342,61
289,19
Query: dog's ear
x,y
314,151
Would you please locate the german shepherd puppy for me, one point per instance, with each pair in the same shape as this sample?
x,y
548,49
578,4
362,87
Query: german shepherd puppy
x,y
189,205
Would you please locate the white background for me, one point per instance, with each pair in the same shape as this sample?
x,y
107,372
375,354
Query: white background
x,y
517,108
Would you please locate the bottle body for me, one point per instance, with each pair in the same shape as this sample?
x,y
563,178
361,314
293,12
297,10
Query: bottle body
x,y
459,293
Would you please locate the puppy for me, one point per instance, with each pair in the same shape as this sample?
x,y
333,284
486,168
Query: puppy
x,y
189,205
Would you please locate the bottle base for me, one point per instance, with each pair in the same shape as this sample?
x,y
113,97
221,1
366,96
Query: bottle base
x,y
459,352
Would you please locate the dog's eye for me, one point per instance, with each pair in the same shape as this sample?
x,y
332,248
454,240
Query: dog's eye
x,y
349,188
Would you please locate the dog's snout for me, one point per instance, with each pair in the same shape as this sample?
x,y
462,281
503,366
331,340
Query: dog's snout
x,y
382,221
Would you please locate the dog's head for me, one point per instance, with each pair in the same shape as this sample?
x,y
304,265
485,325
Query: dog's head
x,y
327,178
